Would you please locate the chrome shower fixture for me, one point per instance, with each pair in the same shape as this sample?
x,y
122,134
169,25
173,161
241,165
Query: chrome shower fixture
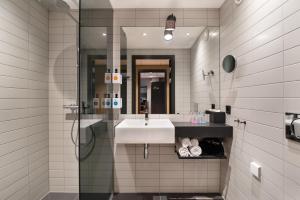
x,y
209,74
72,107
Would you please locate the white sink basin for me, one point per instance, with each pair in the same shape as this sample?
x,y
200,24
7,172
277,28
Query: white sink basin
x,y
85,123
134,131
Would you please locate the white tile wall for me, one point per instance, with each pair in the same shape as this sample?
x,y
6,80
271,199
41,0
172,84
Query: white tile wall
x,y
182,76
163,171
205,56
23,100
132,173
63,165
157,18
264,37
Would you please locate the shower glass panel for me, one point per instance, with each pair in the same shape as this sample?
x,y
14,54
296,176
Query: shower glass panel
x,y
96,124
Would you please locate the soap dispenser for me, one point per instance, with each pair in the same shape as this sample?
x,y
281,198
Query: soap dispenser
x,y
106,101
107,77
116,77
116,102
96,102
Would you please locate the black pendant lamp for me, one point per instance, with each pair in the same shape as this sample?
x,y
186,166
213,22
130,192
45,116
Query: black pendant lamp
x,y
170,23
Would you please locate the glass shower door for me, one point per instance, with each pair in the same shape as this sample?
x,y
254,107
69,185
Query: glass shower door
x,y
96,124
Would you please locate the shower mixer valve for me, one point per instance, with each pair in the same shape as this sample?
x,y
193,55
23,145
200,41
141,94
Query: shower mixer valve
x,y
72,107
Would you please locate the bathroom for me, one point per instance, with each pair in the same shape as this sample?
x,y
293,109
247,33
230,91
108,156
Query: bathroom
x,y
161,99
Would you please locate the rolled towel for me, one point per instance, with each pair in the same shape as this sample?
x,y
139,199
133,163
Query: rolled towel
x,y
195,151
183,151
296,127
185,142
194,142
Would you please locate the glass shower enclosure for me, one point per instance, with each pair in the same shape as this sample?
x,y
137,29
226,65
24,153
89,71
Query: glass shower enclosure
x,y
96,121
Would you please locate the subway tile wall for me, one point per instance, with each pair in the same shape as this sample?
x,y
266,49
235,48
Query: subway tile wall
x,y
182,76
157,18
23,100
264,37
63,165
204,58
163,171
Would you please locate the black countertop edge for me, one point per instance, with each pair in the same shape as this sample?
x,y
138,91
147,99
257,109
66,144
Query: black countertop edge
x,y
187,129
189,124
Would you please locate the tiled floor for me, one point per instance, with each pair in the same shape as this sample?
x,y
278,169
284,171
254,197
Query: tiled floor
x,y
134,196
61,196
178,196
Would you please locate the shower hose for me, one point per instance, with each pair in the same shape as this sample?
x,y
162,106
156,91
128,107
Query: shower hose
x,y
80,148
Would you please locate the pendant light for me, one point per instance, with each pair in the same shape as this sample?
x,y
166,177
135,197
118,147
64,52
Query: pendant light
x,y
170,23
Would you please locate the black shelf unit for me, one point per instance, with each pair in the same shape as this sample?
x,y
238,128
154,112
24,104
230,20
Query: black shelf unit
x,y
201,131
203,157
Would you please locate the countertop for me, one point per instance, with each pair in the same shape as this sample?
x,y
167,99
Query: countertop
x,y
187,129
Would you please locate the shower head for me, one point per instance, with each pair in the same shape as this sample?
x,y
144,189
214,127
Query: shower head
x,y
58,6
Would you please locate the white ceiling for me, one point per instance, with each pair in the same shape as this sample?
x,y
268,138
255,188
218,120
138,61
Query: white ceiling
x,y
152,3
155,40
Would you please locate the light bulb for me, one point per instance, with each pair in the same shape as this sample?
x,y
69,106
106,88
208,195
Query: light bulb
x,y
168,35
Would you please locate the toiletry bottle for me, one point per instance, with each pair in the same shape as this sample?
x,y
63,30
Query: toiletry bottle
x,y
107,77
116,77
96,102
116,102
194,118
107,101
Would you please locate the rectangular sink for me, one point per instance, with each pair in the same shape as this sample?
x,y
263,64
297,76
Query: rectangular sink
x,y
135,131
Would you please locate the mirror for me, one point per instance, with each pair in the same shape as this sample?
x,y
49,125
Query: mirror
x,y
92,69
167,77
229,64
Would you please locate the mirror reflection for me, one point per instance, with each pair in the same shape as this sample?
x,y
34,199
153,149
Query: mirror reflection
x,y
167,76
93,68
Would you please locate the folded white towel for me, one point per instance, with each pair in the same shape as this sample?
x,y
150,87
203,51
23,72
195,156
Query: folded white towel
x,y
194,142
185,142
183,151
195,151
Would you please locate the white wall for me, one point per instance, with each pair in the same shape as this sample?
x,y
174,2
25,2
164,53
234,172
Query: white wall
x,y
23,100
205,56
182,76
63,165
264,37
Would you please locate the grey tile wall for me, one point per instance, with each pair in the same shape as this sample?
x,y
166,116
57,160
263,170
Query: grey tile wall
x,y
23,100
264,37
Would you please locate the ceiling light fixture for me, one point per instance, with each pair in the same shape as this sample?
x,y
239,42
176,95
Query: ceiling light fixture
x,y
168,35
171,23
144,34
104,34
188,34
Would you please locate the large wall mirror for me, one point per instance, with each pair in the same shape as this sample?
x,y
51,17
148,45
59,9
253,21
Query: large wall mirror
x,y
169,77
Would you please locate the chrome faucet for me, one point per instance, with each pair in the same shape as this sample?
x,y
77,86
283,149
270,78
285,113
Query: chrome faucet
x,y
146,113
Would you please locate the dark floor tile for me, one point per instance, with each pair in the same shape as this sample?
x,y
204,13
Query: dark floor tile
x,y
169,196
